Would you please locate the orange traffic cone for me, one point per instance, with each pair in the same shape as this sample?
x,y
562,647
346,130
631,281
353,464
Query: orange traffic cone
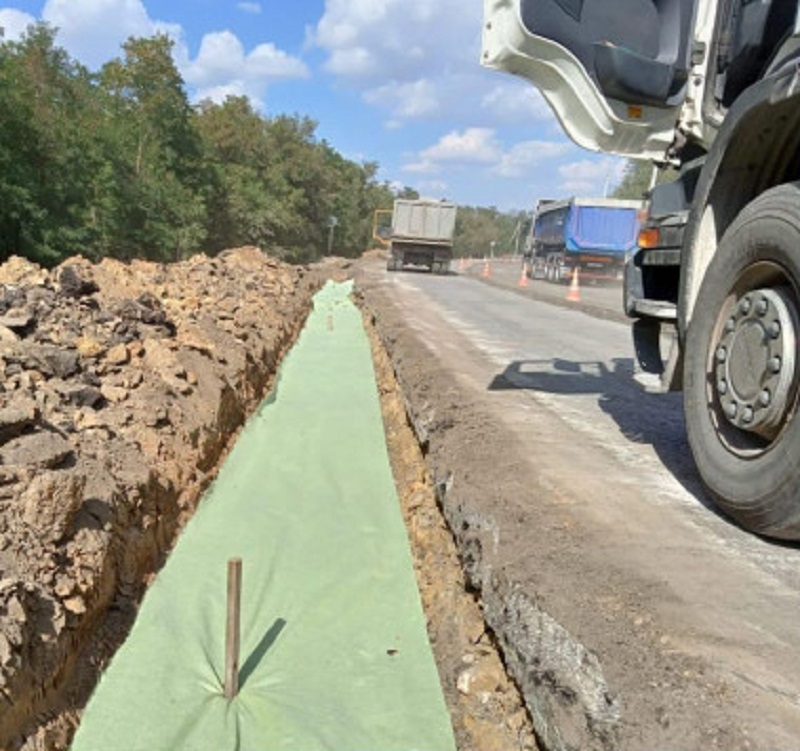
x,y
574,293
485,272
523,277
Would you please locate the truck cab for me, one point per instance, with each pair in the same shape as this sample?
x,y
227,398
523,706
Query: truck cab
x,y
712,89
640,78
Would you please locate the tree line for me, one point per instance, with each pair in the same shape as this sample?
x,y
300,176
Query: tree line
x,y
119,163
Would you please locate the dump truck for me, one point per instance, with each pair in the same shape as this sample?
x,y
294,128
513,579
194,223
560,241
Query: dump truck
x,y
712,89
594,235
422,235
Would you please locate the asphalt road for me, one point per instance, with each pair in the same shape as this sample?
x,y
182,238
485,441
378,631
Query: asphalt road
x,y
695,623
598,298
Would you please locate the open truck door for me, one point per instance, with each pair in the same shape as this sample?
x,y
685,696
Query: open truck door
x,y
625,77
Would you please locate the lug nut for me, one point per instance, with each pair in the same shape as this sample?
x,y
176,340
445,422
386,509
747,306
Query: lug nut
x,y
730,325
730,409
747,414
722,386
764,398
775,365
722,354
745,305
762,306
775,329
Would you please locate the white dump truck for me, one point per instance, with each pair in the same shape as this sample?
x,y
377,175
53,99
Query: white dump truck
x,y
422,235
712,88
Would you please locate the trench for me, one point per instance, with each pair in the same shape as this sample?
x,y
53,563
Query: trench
x,y
487,710
484,706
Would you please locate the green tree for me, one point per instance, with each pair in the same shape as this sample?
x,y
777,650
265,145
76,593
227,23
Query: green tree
x,y
635,180
159,207
478,227
49,161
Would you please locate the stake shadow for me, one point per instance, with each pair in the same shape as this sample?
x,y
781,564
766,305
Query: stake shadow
x,y
258,654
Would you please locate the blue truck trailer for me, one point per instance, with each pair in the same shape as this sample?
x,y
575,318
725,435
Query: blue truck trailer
x,y
595,235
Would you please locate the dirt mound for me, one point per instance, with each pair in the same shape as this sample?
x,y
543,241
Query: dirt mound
x,y
121,387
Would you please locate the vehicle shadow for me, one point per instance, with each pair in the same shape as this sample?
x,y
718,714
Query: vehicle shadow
x,y
650,419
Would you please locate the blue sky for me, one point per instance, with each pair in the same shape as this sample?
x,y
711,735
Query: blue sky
x,y
392,81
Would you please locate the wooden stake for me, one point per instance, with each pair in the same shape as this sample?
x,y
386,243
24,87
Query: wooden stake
x,y
232,628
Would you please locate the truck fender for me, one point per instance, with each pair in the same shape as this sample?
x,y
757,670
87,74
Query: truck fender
x,y
757,148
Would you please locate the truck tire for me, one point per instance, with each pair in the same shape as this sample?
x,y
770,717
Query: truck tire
x,y
742,368
550,270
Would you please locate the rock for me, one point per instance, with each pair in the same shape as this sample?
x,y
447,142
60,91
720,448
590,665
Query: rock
x,y
147,309
157,419
16,418
64,586
5,650
15,610
17,270
36,295
18,322
464,682
7,336
75,283
118,355
43,450
50,501
133,380
114,394
63,363
11,296
89,347
75,605
86,396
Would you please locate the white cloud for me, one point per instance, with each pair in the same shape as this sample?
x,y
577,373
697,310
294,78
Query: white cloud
x,y
223,67
588,177
481,147
423,167
473,145
520,158
415,59
407,101
14,22
433,189
93,30
419,60
516,102
397,40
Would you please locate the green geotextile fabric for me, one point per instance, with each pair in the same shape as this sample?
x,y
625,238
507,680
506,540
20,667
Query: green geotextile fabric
x,y
334,651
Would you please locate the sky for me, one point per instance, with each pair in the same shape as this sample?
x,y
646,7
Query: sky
x,y
395,82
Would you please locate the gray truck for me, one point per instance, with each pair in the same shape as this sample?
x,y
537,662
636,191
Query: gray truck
x,y
712,88
422,235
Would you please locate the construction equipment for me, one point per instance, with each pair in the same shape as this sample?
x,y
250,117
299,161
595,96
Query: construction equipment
x,y
422,235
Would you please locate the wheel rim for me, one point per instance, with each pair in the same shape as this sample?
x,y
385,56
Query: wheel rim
x,y
752,363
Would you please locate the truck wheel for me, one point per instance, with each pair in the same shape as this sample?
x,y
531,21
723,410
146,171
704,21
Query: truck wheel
x,y
742,370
